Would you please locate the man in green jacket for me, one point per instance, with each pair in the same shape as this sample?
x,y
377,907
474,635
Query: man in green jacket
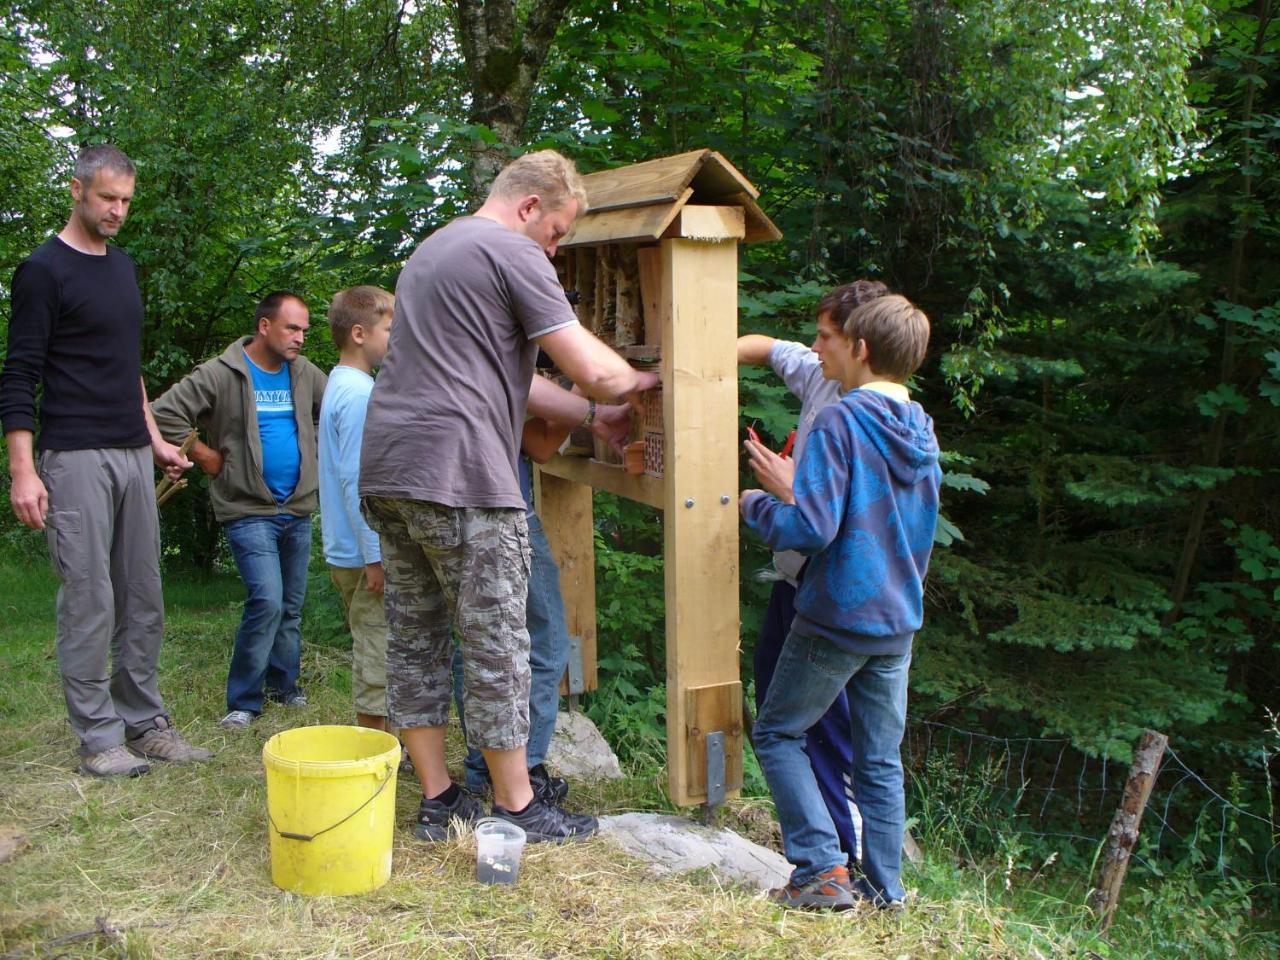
x,y
258,405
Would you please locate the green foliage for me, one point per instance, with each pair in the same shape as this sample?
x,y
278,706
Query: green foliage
x,y
1083,196
630,710
956,809
1200,895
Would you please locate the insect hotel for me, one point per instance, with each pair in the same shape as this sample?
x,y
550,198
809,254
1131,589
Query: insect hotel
x,y
655,265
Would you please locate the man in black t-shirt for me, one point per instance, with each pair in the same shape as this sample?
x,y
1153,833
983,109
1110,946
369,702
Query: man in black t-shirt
x,y
75,331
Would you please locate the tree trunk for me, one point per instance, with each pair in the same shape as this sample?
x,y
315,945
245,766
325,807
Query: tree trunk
x,y
504,53
1239,246
1123,835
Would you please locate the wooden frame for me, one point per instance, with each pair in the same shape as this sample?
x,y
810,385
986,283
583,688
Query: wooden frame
x,y
686,214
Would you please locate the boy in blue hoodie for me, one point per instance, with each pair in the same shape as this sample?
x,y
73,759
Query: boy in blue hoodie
x,y
863,504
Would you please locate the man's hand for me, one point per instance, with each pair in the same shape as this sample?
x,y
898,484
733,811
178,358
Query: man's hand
x,y
776,474
30,499
744,497
612,424
374,580
207,459
646,380
169,458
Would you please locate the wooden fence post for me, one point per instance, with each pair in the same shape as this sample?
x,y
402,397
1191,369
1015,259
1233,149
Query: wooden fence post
x,y
1123,835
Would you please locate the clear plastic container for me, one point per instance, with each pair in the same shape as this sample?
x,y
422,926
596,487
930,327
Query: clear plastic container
x,y
498,848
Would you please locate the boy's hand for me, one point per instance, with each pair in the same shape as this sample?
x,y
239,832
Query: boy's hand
x,y
374,580
746,495
776,474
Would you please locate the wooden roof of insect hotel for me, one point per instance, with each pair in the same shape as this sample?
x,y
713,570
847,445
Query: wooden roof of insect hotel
x,y
638,204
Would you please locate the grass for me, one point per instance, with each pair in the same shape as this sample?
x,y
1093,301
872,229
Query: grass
x,y
175,864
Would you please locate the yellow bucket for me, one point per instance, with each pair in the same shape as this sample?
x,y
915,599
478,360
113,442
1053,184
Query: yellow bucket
x,y
331,797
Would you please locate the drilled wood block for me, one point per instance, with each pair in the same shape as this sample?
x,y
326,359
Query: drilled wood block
x,y
651,411
653,454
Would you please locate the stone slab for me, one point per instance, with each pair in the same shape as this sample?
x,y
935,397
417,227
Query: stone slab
x,y
675,845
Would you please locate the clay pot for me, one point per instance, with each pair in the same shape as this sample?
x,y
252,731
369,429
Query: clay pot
x,y
633,457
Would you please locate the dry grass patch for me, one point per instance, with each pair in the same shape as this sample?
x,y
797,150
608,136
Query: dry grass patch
x,y
176,864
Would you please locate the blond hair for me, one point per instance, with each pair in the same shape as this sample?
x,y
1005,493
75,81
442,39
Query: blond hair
x,y
896,332
364,305
550,175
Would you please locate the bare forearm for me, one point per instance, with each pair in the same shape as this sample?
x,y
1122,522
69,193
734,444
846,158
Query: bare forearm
x,y
556,404
541,439
753,349
152,430
590,364
21,446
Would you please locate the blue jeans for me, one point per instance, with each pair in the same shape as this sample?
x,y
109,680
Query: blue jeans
x,y
272,554
827,742
548,655
810,675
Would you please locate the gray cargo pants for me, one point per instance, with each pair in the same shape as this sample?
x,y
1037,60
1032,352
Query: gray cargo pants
x,y
104,540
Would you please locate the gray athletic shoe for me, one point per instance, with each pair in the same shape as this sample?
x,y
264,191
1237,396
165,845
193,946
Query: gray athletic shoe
x,y
544,823
435,818
237,720
113,762
162,742
548,789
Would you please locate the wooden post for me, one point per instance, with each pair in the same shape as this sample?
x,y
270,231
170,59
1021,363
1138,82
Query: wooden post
x,y
700,522
1123,835
566,512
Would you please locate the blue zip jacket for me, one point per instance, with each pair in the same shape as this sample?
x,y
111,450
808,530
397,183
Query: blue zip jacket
x,y
866,492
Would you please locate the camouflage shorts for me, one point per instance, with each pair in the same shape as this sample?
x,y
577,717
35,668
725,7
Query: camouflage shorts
x,y
463,567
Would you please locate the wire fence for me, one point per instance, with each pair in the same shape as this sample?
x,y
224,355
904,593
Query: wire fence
x,y
1061,794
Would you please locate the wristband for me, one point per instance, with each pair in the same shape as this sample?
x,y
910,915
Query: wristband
x,y
590,418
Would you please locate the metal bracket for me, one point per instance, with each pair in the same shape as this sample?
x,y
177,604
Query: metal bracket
x,y
576,682
715,769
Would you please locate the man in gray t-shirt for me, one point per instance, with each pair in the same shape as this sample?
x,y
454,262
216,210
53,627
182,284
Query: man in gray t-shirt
x,y
438,478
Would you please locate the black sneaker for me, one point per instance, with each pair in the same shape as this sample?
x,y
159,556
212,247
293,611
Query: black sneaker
x,y
435,817
544,823
548,789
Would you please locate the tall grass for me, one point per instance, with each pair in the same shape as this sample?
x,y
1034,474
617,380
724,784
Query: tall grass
x,y
176,865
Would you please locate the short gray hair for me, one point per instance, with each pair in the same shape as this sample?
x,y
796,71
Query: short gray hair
x,y
100,156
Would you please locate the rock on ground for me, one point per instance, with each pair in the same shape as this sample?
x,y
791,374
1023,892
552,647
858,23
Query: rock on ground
x,y
12,842
675,845
578,750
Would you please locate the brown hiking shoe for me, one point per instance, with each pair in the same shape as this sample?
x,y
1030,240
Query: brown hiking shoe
x,y
826,891
162,742
113,762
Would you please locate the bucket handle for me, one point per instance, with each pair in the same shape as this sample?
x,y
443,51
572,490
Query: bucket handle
x,y
307,838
